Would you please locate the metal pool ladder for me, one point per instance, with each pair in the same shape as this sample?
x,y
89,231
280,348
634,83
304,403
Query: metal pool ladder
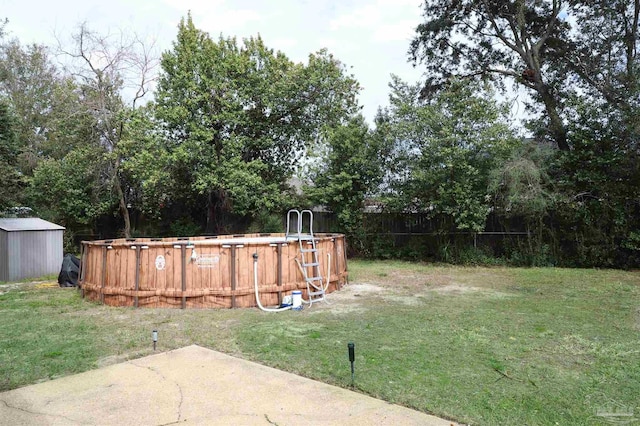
x,y
310,265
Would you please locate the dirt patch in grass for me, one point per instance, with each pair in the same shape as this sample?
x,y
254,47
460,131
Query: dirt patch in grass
x,y
358,290
228,324
414,300
454,288
402,277
351,299
335,308
420,281
411,287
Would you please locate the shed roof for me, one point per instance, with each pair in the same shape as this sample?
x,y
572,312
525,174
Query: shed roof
x,y
27,224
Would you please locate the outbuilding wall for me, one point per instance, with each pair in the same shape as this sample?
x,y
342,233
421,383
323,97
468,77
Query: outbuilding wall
x,y
4,256
31,254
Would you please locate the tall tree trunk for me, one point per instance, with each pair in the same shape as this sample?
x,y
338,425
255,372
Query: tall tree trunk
x,y
122,206
211,214
557,127
217,211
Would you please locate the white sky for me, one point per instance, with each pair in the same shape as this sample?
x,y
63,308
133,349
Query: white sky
x,y
371,36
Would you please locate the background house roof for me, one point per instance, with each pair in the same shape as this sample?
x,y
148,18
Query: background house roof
x,y
27,224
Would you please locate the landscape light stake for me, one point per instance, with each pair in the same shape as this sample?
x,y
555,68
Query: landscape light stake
x,y
155,338
352,358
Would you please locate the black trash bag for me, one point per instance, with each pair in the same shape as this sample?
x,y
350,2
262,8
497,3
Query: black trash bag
x,y
68,276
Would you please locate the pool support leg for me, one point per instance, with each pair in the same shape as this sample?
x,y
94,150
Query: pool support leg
x,y
233,276
183,274
103,278
135,300
335,259
279,251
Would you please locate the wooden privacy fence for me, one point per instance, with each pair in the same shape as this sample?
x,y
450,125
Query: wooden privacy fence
x,y
202,272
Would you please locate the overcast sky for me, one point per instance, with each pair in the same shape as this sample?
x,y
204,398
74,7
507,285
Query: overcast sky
x,y
371,36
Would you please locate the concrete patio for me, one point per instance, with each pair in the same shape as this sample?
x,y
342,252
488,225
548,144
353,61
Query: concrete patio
x,y
194,385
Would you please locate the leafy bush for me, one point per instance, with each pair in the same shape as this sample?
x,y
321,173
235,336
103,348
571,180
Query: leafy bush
x,y
381,246
478,256
266,222
185,227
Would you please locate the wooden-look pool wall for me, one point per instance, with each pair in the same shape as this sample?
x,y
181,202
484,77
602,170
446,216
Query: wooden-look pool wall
x,y
147,272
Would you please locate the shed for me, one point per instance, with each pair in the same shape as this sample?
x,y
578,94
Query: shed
x,y
29,248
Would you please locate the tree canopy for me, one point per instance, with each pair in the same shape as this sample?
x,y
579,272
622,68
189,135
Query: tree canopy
x,y
11,181
347,170
444,151
233,125
238,116
557,49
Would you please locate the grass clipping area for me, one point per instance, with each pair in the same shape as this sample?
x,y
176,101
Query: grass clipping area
x,y
477,345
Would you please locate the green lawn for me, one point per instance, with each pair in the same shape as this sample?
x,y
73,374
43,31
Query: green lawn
x,y
477,345
48,277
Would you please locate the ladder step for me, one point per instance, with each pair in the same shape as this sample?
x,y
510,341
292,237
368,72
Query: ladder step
x,y
316,293
311,264
314,278
308,250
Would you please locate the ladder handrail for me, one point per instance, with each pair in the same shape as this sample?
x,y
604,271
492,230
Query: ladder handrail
x,y
298,224
310,221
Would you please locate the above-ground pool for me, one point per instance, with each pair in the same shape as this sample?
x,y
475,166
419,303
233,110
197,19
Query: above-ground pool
x,y
204,272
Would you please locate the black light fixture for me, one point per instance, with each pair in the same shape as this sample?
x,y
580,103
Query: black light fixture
x,y
155,338
352,358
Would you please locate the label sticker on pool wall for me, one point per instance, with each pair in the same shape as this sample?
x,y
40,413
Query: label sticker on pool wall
x,y
160,263
208,260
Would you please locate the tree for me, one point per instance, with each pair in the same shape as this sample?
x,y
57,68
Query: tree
x,y
147,171
11,181
25,79
237,118
71,190
597,187
58,157
554,48
104,67
444,151
520,185
350,168
43,103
